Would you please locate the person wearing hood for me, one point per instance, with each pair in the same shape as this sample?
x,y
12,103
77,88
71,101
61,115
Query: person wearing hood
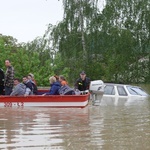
x,y
54,86
19,88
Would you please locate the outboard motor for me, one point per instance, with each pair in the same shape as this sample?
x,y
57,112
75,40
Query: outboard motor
x,y
96,90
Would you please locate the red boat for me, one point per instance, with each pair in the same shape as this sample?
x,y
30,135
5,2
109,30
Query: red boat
x,y
81,100
45,101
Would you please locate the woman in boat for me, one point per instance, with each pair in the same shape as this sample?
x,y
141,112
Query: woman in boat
x,y
54,86
65,88
62,80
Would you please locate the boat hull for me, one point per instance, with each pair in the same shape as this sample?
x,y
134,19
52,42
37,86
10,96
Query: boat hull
x,y
45,101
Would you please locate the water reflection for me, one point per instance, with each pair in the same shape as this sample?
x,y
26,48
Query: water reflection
x,y
38,128
123,123
115,124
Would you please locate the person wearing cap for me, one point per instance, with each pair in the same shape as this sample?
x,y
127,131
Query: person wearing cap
x,y
31,77
83,82
34,85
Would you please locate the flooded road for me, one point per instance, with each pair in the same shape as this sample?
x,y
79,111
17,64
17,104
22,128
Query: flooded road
x,y
113,125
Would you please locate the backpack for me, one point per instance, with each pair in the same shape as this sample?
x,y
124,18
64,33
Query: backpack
x,y
66,90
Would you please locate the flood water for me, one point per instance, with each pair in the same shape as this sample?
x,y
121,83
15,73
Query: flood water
x,y
121,125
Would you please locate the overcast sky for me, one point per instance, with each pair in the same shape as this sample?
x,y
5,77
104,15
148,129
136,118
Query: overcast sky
x,y
28,19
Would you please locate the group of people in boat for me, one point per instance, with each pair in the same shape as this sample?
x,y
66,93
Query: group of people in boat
x,y
9,85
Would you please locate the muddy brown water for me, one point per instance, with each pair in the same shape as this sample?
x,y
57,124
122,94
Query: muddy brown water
x,y
121,125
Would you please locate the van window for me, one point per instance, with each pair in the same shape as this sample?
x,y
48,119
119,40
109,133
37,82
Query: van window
x,y
109,90
136,91
121,91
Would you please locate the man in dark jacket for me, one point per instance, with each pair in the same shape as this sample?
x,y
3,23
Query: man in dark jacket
x,y
29,86
9,77
83,82
1,82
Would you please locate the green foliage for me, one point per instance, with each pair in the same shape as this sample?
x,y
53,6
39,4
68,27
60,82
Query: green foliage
x,y
113,39
111,44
